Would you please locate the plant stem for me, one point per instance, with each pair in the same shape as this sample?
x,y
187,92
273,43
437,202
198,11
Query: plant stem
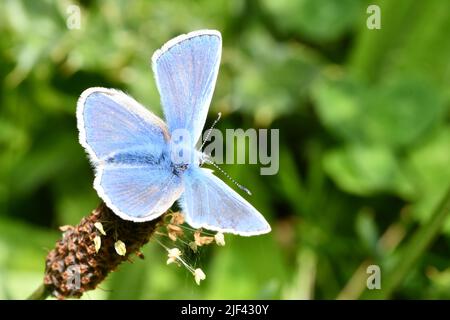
x,y
412,251
41,293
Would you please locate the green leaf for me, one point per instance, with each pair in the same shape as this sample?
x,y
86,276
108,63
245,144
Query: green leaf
x,y
241,269
395,113
366,170
428,167
257,91
22,258
323,20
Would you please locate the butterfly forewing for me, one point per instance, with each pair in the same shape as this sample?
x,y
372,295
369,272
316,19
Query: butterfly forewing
x,y
185,71
110,121
128,147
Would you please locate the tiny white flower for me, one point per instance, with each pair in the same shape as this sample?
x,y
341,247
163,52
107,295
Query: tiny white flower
x,y
173,255
99,227
97,243
219,238
199,275
120,247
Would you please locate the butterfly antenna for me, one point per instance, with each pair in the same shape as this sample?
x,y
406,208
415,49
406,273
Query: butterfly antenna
x,y
240,186
210,130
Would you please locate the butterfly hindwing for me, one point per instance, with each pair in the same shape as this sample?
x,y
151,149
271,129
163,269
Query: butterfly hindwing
x,y
209,203
138,193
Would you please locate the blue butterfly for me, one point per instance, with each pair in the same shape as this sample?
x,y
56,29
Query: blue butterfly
x,y
132,150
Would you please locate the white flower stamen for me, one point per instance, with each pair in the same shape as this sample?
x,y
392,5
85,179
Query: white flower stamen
x,y
97,243
199,275
99,227
219,238
120,247
173,255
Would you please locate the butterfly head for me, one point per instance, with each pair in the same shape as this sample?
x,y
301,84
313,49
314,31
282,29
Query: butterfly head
x,y
204,158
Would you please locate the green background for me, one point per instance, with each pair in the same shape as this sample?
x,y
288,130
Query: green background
x,y
364,141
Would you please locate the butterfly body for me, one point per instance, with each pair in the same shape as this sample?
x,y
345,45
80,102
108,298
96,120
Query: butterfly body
x,y
144,165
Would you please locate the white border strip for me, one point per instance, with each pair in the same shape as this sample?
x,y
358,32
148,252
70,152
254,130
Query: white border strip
x,y
177,40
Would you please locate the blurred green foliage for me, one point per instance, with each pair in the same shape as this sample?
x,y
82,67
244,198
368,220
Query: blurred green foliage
x,y
364,151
